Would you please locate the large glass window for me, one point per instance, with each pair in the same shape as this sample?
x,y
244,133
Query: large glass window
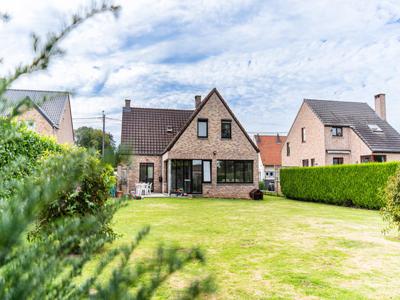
x,y
229,171
206,171
197,176
202,128
235,171
226,129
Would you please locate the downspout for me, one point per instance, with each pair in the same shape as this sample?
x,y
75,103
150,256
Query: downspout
x,y
169,177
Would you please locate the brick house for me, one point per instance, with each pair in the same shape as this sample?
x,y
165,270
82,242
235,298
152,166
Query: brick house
x,y
270,159
50,115
337,132
204,151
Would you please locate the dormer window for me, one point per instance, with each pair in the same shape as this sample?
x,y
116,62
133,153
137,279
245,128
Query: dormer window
x,y
169,129
337,131
375,128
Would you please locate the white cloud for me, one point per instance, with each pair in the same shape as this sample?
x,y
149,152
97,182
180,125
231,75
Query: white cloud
x,y
264,56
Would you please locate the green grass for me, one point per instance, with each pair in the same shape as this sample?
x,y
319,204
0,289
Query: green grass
x,y
272,249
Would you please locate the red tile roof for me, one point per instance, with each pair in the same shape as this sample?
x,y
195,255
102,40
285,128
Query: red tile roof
x,y
270,149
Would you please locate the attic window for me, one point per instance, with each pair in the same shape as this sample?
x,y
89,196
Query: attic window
x,y
375,128
169,129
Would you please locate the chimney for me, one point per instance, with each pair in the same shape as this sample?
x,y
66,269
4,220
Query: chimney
x,y
128,103
197,100
380,106
278,138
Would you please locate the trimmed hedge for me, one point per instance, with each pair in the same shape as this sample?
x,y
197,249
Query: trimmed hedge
x,y
347,185
20,153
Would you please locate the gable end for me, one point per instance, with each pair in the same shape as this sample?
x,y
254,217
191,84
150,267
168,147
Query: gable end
x,y
196,112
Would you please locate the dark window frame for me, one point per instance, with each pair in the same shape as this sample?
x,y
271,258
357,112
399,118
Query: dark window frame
x,y
184,164
200,120
305,162
226,121
146,165
335,132
340,161
303,134
372,158
235,166
202,170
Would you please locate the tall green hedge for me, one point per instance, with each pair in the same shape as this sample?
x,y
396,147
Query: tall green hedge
x,y
348,185
20,153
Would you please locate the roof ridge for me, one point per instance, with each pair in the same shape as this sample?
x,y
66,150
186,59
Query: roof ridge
x,y
155,108
45,91
270,135
340,101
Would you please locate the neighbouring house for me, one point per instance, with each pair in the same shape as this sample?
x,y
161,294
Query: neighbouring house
x,y
270,159
50,115
204,151
338,132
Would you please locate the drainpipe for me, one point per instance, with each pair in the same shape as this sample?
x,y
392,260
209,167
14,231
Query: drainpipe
x,y
169,177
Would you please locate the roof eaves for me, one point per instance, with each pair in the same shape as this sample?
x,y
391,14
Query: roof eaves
x,y
43,113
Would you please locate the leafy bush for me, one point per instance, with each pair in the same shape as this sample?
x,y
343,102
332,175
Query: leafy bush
x,y
44,269
349,185
261,185
391,199
20,152
88,197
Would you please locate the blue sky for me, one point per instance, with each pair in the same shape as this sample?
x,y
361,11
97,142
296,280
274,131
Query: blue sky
x,y
263,56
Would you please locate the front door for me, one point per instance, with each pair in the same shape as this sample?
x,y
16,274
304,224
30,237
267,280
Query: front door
x,y
146,174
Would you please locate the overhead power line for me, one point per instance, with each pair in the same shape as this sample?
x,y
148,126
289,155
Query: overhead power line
x,y
88,118
103,118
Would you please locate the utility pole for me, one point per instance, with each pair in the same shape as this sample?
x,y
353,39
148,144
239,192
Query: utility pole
x,y
104,133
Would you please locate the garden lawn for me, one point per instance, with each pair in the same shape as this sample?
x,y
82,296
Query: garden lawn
x,y
272,249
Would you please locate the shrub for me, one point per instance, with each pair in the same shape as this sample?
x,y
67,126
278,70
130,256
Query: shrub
x,y
261,185
87,198
391,199
44,268
349,185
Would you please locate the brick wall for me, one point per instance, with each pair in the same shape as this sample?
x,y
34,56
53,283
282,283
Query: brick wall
x,y
133,173
189,146
41,125
313,148
65,134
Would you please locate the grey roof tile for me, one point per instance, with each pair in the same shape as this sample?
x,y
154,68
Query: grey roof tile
x,y
357,115
50,103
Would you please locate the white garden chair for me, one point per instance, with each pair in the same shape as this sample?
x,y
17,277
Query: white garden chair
x,y
148,189
140,189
